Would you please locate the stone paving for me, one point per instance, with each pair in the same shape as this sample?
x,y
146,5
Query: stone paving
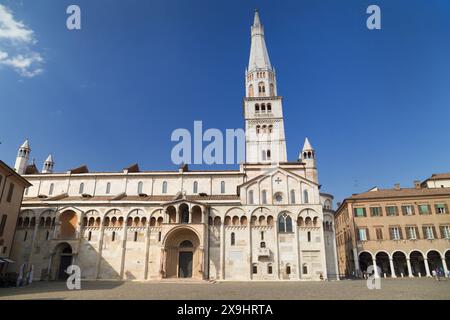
x,y
345,289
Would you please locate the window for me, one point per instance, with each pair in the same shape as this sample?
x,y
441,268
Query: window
x,y
441,208
113,237
164,187
262,235
159,236
261,89
305,196
424,209
362,234
445,232
375,211
292,196
360,212
89,236
3,224
395,233
233,239
379,232
269,106
305,268
284,223
135,237
255,268
25,236
309,236
140,188
81,189
412,234
195,187
428,232
391,210
407,210
256,108
108,188
250,197
250,91
264,197
262,245
50,190
288,269
47,235
26,189
269,269
10,192
222,187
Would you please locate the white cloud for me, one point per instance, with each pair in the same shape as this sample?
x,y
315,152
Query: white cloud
x,y
15,42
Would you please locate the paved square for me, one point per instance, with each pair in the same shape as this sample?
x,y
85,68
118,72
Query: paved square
x,y
345,289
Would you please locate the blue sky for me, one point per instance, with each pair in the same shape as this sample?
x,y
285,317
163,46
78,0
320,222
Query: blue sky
x,y
374,104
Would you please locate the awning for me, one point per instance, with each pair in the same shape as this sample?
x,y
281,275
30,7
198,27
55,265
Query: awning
x,y
6,260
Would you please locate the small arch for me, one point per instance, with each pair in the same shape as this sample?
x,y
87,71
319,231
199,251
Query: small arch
x,y
217,221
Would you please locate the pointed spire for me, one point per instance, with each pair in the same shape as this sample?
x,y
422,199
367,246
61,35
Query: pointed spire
x,y
48,165
307,146
256,21
26,144
259,58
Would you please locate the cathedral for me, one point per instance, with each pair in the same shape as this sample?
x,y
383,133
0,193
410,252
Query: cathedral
x,y
266,220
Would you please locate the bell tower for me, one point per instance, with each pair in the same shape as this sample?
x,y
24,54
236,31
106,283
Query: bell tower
x,y
263,112
23,156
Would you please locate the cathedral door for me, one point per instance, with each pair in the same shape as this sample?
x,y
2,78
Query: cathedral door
x,y
185,265
64,261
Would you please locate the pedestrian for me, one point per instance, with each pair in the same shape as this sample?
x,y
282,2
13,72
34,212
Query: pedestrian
x,y
434,274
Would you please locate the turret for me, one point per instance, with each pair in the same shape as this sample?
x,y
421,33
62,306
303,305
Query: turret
x,y
48,165
308,157
23,156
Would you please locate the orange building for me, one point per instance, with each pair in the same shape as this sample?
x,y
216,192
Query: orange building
x,y
404,231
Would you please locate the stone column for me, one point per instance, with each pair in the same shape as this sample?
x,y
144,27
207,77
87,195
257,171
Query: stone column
x,y
202,262
190,216
276,255
100,249
162,263
408,264
427,267
375,268
444,265
222,250
147,249
124,248
250,257
391,264
33,240
297,249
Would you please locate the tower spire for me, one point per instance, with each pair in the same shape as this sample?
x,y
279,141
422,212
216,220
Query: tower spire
x,y
259,57
23,156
